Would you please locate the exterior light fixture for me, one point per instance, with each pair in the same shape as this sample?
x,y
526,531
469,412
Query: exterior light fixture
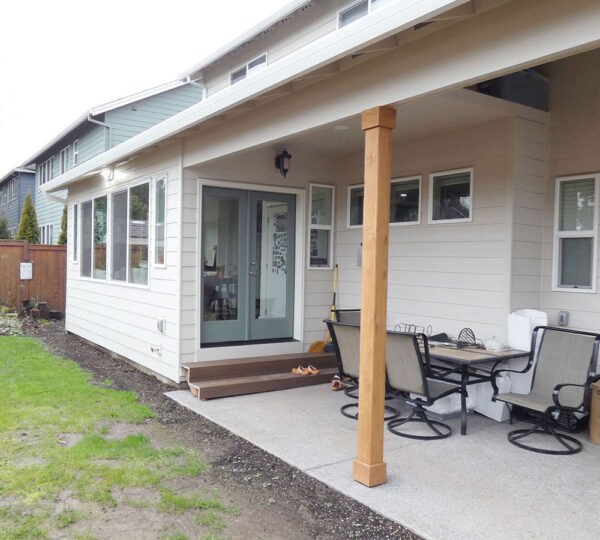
x,y
107,173
282,162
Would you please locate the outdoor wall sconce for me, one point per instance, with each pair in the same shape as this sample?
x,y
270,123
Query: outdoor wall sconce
x,y
107,173
282,162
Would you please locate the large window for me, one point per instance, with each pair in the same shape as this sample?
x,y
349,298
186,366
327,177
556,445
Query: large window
x,y
160,226
75,152
85,268
405,202
64,159
75,232
576,233
46,234
46,171
450,196
129,223
321,226
358,10
100,214
242,72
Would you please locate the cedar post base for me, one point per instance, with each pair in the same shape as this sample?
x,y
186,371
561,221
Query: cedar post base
x,y
369,475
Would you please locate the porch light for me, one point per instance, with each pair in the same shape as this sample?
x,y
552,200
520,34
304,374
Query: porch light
x,y
107,173
282,162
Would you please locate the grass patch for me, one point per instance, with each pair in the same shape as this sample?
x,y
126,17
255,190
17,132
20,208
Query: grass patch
x,y
42,397
211,519
170,502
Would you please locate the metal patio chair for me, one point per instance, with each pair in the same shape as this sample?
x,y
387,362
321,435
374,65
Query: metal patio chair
x,y
564,363
349,316
408,370
346,339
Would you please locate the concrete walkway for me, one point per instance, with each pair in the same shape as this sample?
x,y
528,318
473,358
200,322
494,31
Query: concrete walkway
x,y
473,487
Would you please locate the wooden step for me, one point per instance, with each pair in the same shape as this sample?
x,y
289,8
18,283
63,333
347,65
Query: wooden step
x,y
236,386
244,367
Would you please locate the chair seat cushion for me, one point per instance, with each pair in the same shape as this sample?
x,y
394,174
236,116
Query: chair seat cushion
x,y
529,401
436,387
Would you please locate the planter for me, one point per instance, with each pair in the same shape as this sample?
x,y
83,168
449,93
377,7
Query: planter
x,y
55,314
35,313
42,306
26,303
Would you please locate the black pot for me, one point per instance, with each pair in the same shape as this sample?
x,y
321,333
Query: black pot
x,y
26,302
55,314
42,306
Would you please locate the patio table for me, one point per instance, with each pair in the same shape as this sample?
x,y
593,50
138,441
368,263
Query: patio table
x,y
463,362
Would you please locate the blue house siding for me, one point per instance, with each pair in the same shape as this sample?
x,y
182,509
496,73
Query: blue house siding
x,y
11,209
130,120
121,123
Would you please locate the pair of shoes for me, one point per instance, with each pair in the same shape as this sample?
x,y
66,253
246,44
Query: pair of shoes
x,y
310,370
337,384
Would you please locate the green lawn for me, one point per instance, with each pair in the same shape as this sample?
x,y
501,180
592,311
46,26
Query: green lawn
x,y
43,397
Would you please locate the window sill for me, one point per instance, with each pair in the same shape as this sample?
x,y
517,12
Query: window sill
x,y
579,290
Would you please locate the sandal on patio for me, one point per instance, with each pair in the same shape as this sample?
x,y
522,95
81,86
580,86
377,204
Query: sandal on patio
x,y
337,384
313,370
300,371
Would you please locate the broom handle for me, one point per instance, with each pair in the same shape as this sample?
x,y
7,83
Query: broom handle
x,y
335,278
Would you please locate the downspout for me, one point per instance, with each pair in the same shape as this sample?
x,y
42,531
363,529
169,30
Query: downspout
x,y
107,141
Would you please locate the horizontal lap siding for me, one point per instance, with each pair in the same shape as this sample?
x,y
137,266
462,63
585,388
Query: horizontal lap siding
x,y
573,148
126,122
530,160
123,318
445,275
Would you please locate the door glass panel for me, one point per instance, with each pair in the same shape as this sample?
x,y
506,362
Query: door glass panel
x,y
220,224
119,236
100,237
270,268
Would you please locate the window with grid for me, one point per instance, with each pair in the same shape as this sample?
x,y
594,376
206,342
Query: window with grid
x,y
576,232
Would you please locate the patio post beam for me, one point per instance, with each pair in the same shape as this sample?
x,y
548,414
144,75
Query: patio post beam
x,y
377,123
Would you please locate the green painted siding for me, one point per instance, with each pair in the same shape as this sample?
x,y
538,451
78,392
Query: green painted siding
x,y
130,120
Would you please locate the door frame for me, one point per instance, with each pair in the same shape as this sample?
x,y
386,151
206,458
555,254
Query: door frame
x,y
240,351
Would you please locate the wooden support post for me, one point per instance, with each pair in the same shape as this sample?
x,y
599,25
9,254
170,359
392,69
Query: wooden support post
x,y
377,123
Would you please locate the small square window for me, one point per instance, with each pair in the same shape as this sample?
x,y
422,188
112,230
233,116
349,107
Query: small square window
x,y
353,13
450,196
238,75
405,198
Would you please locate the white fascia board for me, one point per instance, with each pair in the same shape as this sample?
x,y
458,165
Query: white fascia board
x,y
12,172
380,24
262,26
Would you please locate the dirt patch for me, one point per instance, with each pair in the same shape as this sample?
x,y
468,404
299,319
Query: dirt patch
x,y
69,439
293,506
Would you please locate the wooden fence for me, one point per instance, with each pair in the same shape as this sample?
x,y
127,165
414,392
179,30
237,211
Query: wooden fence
x,y
49,274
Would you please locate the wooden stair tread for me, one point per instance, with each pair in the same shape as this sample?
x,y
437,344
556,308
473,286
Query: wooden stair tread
x,y
235,386
207,383
243,367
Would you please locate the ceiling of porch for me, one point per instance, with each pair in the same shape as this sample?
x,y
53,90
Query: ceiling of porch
x,y
437,114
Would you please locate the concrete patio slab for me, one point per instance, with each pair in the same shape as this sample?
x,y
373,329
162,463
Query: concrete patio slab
x,y
478,486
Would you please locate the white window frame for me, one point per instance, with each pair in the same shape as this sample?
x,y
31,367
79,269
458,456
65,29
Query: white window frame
x,y
330,228
350,188
437,174
402,181
76,221
152,218
75,155
12,189
593,233
245,66
63,160
109,263
343,10
46,233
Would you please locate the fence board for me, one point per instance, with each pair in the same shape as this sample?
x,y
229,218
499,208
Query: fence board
x,y
49,274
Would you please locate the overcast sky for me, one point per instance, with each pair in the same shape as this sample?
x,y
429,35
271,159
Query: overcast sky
x,y
59,58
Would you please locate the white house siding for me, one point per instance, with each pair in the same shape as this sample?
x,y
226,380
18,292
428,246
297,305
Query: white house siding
x,y
574,143
530,164
123,318
445,275
257,168
313,22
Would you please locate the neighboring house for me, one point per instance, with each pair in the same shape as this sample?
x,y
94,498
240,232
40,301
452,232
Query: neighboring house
x,y
494,204
14,186
96,131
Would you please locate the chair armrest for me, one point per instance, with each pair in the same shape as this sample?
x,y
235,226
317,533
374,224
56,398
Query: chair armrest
x,y
556,392
495,372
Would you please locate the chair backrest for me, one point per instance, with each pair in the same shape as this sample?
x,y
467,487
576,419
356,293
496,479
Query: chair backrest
x,y
564,356
346,338
349,316
404,363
